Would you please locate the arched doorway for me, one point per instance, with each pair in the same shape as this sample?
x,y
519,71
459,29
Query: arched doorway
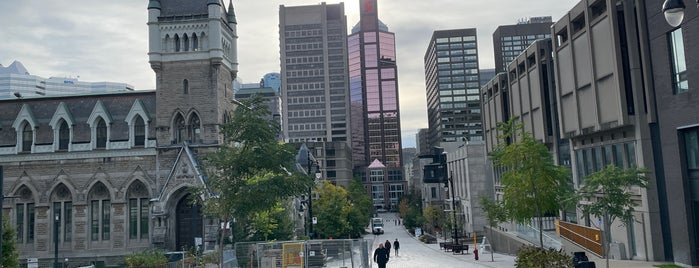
x,y
189,223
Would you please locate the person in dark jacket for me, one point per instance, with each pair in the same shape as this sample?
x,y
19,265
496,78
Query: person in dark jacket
x,y
387,245
396,245
381,256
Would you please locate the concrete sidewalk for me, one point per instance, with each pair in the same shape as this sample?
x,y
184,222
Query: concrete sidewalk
x,y
508,261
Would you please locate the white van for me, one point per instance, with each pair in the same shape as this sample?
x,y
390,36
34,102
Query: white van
x,y
376,225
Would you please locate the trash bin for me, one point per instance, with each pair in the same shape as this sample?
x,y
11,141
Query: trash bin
x,y
578,258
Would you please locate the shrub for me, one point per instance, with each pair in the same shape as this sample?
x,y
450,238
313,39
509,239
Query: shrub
x,y
146,259
534,257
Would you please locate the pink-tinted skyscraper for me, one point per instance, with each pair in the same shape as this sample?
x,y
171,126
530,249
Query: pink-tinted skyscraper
x,y
376,133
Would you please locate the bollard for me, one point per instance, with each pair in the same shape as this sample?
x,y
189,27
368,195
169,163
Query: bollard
x,y
475,253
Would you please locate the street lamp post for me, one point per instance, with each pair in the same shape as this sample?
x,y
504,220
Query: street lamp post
x,y
674,11
311,164
453,204
56,222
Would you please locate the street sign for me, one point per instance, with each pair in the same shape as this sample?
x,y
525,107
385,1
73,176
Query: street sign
x,y
315,220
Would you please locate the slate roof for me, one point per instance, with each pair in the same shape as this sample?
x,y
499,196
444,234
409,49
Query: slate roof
x,y
117,105
183,7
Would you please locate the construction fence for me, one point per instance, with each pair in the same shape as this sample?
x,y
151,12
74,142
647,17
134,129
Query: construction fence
x,y
303,254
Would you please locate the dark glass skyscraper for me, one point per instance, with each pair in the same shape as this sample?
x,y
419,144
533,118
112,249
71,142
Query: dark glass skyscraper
x,y
374,108
452,84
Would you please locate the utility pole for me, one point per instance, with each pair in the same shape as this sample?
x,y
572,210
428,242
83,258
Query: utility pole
x,y
453,205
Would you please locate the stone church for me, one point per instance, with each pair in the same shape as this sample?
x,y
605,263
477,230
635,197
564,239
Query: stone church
x,y
101,176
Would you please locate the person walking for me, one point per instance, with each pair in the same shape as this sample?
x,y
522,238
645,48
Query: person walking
x,y
381,256
387,245
396,246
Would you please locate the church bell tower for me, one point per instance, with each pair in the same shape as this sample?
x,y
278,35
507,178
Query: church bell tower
x,y
193,52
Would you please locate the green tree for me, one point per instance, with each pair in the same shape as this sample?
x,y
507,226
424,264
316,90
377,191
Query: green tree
x,y
608,194
272,224
434,217
411,213
331,209
10,255
251,172
359,211
494,214
532,184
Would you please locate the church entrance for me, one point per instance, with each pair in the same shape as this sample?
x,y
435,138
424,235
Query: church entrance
x,y
189,223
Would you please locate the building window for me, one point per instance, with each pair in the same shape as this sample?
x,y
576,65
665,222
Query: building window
x,y
24,216
27,137
180,129
101,134
139,132
63,211
100,208
194,128
195,42
677,59
185,86
186,42
63,136
138,211
177,43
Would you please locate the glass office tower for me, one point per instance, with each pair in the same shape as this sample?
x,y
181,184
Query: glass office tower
x,y
452,84
376,133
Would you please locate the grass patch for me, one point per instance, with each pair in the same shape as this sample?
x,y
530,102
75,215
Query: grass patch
x,y
668,266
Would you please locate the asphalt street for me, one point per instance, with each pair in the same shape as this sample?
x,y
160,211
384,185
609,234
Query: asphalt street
x,y
414,253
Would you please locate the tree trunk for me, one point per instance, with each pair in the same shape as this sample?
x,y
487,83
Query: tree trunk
x,y
492,258
607,237
220,245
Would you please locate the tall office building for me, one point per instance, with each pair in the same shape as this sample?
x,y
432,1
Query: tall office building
x,y
452,84
314,84
510,40
376,139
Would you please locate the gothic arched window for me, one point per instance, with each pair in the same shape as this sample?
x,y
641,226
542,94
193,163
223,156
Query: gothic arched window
x,y
63,135
177,43
186,42
24,215
101,134
185,86
195,42
137,196
180,129
63,212
194,128
27,137
100,213
139,131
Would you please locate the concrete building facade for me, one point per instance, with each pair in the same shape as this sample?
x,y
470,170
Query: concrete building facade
x,y
315,85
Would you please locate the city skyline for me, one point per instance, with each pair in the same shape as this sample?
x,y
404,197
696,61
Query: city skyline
x,y
108,42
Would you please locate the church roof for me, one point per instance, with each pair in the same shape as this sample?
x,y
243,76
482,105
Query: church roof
x,y
376,164
184,7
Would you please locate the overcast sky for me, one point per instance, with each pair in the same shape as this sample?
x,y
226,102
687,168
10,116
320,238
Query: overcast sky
x,y
101,40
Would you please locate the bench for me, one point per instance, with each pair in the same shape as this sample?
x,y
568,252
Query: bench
x,y
459,249
448,246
